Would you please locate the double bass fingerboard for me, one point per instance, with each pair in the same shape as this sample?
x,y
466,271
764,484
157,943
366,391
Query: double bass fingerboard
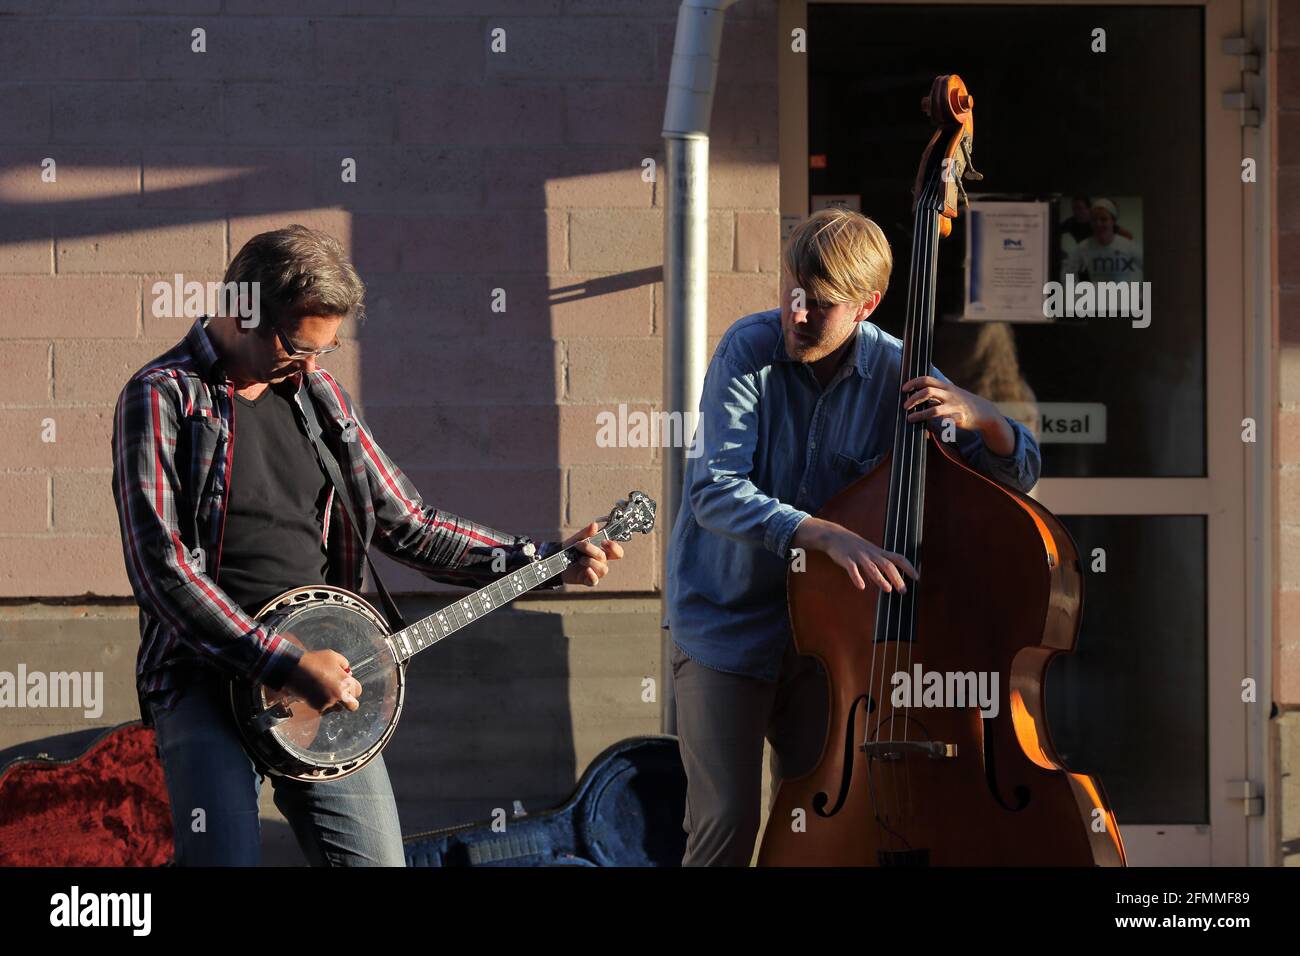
x,y
896,612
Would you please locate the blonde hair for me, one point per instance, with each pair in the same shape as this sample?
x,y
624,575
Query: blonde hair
x,y
838,255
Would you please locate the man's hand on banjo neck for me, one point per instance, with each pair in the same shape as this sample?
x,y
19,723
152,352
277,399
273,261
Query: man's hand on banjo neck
x,y
592,561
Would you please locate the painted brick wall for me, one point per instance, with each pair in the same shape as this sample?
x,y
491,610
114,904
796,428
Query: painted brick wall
x,y
476,170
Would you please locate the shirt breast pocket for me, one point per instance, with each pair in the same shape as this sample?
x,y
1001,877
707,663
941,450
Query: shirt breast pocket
x,y
851,467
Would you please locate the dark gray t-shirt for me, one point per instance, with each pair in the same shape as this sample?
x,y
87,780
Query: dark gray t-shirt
x,y
272,539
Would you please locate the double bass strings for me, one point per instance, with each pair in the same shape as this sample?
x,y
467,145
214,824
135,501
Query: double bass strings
x,y
908,530
920,362
908,478
909,437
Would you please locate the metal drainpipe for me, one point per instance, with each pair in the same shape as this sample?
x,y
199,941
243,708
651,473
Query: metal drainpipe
x,y
686,264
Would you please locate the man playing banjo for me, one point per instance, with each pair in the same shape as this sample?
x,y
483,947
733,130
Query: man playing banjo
x,y
216,520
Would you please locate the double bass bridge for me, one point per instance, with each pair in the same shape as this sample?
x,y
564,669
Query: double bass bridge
x,y
896,749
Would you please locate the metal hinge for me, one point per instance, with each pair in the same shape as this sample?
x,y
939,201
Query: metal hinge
x,y
1248,792
1240,100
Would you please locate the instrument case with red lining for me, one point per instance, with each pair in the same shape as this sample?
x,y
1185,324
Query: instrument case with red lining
x,y
92,798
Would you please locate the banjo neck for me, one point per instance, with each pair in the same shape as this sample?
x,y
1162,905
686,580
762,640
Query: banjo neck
x,y
441,624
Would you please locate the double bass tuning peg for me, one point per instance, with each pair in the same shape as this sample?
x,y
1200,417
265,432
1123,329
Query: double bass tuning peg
x,y
969,172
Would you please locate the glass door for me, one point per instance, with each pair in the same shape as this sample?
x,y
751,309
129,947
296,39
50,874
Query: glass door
x,y
1136,168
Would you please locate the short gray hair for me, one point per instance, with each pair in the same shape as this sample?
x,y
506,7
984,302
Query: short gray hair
x,y
299,271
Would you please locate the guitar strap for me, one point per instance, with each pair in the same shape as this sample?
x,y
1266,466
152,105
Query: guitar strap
x,y
331,466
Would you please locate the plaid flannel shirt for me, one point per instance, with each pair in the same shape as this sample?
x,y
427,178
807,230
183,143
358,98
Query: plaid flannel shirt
x,y
173,431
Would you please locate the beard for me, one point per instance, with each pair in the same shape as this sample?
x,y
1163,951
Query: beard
x,y
809,349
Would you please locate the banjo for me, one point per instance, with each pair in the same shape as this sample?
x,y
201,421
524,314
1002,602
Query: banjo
x,y
287,737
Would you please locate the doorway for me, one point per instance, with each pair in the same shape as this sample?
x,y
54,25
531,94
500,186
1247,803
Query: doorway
x,y
1155,492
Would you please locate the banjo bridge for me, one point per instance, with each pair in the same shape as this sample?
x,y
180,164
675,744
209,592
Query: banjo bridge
x,y
272,716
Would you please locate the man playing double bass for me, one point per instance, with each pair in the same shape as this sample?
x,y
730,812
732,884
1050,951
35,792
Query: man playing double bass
x,y
798,402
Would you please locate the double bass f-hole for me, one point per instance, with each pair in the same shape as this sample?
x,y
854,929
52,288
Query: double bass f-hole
x,y
846,777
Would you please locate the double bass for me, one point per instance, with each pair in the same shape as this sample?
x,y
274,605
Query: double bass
x,y
919,771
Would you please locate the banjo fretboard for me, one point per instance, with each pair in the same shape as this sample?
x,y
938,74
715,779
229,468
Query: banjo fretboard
x,y
424,633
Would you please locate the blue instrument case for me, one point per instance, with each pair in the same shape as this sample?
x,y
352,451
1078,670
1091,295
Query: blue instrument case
x,y
626,811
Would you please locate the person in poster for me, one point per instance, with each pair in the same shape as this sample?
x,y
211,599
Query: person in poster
x,y
1107,255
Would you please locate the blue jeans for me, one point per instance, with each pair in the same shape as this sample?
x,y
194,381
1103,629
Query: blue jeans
x,y
347,822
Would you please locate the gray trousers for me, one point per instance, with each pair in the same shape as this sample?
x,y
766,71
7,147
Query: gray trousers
x,y
722,720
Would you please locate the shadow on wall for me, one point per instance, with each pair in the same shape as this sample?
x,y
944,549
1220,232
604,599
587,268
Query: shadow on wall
x,y
487,721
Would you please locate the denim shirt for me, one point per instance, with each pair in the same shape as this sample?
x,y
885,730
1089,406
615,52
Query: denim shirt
x,y
773,448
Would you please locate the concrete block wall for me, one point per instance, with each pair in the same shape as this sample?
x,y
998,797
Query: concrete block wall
x,y
477,170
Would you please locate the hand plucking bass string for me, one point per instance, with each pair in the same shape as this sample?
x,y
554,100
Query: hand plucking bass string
x,y
324,678
932,399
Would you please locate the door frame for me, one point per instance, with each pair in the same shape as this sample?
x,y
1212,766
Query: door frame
x,y
1239,562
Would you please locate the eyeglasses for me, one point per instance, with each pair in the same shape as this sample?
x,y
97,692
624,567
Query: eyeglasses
x,y
295,352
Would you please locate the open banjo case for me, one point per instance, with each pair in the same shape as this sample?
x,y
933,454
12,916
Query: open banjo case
x,y
625,811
